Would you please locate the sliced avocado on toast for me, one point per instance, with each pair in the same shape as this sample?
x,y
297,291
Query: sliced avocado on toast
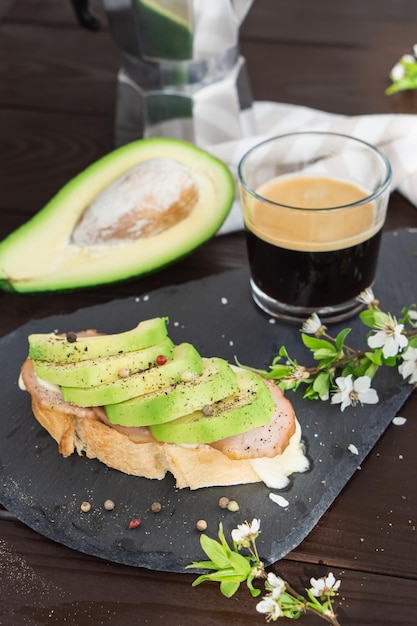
x,y
180,396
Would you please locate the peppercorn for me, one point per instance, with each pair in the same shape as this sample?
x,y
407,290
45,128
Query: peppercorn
x,y
109,505
161,359
233,506
223,502
156,507
71,337
201,525
134,523
85,507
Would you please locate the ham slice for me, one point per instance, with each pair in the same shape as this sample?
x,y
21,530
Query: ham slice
x,y
264,441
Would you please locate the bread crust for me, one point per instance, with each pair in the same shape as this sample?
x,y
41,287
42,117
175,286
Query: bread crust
x,y
82,431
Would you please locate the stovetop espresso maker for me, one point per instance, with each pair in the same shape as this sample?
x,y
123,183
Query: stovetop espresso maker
x,y
182,74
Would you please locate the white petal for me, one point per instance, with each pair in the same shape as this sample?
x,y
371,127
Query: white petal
x,y
399,421
390,348
369,397
362,384
377,340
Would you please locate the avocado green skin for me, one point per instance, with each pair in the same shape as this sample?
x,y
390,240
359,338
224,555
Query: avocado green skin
x,y
185,359
250,408
217,381
40,257
57,349
102,370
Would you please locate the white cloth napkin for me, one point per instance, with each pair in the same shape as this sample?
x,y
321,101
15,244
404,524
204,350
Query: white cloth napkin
x,y
394,134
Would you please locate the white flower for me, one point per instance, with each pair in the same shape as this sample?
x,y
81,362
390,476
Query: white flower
x,y
397,72
245,532
351,392
415,49
325,586
409,365
275,584
389,337
408,58
270,607
312,325
367,296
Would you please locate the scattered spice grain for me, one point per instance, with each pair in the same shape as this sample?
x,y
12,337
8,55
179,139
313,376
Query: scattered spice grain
x,y
223,502
134,523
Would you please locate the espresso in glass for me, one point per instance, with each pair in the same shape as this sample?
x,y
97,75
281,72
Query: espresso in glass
x,y
313,233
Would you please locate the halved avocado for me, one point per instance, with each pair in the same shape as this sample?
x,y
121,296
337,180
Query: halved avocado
x,y
134,211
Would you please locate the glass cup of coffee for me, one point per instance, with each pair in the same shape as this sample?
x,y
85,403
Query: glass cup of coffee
x,y
314,205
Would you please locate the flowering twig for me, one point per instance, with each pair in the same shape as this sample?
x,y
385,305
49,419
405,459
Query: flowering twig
x,y
229,567
342,373
404,73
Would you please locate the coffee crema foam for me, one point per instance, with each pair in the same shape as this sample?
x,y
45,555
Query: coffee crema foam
x,y
303,217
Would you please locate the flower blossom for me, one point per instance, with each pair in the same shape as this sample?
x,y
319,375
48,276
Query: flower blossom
x,y
326,586
408,367
367,297
397,72
275,584
351,392
269,606
389,337
245,532
312,325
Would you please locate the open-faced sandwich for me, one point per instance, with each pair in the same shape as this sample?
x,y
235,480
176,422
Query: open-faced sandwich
x,y
144,406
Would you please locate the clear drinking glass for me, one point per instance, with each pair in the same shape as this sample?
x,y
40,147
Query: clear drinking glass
x,y
314,205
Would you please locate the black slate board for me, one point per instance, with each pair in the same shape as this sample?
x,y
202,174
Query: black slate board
x,y
217,315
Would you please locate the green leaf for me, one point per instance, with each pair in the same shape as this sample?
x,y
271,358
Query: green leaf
x,y
316,344
279,371
202,565
324,353
375,356
340,339
310,393
240,563
373,318
229,588
214,551
322,384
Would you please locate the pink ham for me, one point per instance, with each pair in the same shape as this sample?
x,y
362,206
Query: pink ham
x,y
265,441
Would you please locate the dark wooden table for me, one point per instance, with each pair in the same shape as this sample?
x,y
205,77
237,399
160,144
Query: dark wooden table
x,y
57,99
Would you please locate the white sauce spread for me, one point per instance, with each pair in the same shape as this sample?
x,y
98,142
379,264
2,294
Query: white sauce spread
x,y
274,472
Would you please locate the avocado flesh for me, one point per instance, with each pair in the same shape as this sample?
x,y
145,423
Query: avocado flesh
x,y
42,256
57,348
216,381
252,406
102,370
186,361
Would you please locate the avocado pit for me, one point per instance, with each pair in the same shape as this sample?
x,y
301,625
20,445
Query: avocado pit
x,y
148,199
